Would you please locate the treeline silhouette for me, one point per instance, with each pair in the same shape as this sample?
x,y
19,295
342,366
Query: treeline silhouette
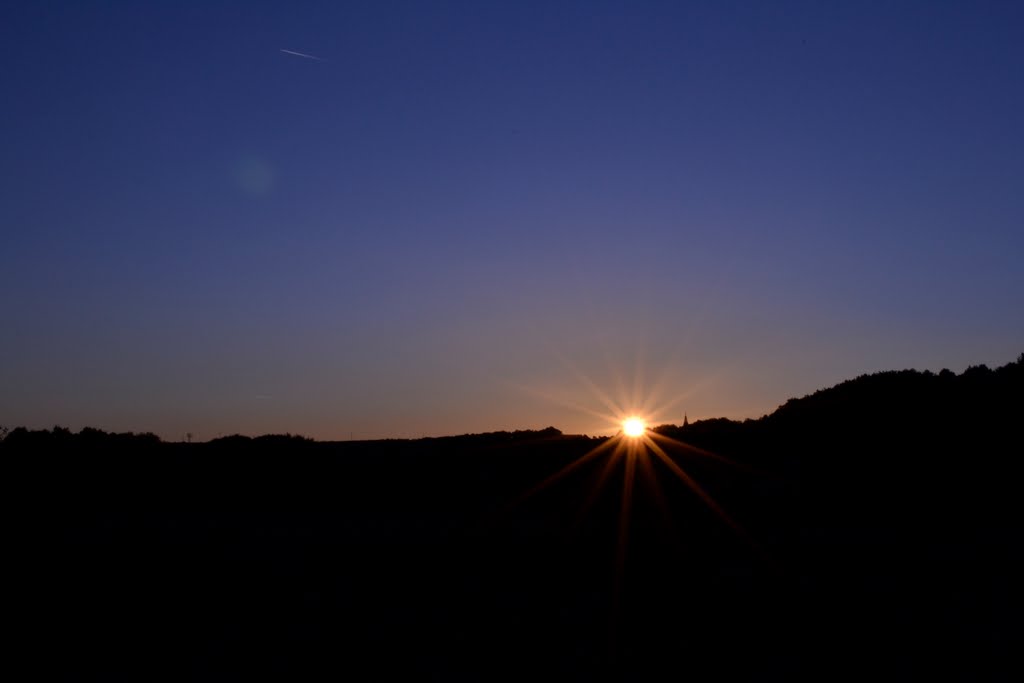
x,y
91,438
893,401
872,529
62,438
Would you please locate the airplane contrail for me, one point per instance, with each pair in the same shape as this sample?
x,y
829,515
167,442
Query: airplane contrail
x,y
302,54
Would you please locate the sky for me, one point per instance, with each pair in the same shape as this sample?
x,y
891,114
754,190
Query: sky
x,y
459,217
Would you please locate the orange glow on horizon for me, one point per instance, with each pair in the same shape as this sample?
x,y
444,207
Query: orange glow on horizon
x,y
637,448
639,451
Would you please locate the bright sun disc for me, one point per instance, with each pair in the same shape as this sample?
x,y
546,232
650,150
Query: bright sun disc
x,y
634,426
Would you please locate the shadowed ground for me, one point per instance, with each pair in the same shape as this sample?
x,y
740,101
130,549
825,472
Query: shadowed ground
x,y
880,536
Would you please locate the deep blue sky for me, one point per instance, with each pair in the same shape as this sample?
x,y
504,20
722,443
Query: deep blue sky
x,y
477,216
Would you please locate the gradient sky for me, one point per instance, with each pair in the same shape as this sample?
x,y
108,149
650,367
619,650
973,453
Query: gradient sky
x,y
474,216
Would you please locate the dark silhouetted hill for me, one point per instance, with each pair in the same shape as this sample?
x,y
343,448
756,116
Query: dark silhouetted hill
x,y
874,533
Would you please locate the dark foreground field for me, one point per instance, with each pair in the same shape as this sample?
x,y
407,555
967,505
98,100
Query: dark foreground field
x,y
880,538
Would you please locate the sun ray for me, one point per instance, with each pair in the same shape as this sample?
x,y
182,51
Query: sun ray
x,y
620,384
572,466
638,378
558,400
704,453
605,399
697,489
652,398
626,509
637,446
653,406
602,479
693,450
657,493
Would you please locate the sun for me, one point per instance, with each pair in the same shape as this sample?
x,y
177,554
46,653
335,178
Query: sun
x,y
633,427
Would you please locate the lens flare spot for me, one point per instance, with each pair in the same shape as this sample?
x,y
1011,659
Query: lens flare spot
x,y
633,427
254,176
